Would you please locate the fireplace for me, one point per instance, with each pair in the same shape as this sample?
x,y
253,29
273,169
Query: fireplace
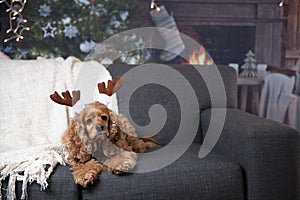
x,y
227,44
229,28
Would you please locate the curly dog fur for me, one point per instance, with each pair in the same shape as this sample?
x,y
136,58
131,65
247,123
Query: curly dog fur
x,y
97,132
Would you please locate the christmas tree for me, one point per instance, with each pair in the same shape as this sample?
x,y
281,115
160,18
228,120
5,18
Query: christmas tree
x,y
249,68
64,28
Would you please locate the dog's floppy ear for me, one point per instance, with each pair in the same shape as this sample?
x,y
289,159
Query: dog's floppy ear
x,y
77,126
71,138
112,125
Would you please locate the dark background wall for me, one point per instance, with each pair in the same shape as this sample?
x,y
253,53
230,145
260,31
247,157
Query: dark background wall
x,y
272,32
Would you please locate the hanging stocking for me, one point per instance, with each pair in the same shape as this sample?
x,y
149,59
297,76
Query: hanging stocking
x,y
174,44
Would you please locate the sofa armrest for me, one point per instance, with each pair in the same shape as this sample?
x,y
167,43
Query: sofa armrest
x,y
268,152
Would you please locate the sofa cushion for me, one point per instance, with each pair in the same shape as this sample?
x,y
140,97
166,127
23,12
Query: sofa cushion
x,y
61,186
213,177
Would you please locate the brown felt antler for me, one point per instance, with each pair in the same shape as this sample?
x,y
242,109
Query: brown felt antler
x,y
112,86
67,99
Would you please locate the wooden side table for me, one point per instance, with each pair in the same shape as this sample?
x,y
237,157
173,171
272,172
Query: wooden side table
x,y
255,84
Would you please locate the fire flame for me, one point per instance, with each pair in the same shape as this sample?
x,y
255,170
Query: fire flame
x,y
200,57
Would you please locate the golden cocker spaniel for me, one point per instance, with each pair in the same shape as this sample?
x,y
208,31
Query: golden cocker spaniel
x,y
98,138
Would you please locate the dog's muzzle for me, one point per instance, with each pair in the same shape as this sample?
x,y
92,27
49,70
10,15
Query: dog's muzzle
x,y
99,128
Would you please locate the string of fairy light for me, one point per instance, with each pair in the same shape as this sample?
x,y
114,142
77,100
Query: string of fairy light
x,y
16,20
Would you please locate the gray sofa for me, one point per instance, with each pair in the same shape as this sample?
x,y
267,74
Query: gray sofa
x,y
254,158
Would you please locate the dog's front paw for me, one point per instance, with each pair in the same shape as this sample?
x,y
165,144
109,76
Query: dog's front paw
x,y
84,178
86,173
119,165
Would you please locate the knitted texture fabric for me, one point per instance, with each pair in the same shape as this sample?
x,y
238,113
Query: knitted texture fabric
x,y
28,165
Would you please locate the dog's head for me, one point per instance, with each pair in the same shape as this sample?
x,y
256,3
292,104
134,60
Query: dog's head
x,y
95,118
96,122
97,126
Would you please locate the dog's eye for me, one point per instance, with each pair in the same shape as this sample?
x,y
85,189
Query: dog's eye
x,y
89,121
104,117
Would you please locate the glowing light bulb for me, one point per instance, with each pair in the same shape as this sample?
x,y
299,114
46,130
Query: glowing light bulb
x,y
281,4
152,4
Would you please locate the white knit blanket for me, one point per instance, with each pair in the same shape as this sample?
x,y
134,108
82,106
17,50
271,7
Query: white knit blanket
x,y
28,165
31,124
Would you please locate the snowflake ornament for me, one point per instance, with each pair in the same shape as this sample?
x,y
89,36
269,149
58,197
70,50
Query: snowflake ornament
x,y
48,30
24,53
66,20
123,15
44,10
109,31
115,22
87,46
70,31
97,9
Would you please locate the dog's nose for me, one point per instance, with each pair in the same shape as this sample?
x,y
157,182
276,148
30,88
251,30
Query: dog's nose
x,y
99,127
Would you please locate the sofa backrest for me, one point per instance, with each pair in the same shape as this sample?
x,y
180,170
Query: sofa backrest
x,y
147,86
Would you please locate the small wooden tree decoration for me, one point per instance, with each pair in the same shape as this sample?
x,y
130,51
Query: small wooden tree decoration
x,y
249,68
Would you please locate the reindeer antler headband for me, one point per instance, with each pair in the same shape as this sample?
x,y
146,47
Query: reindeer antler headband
x,y
68,100
112,86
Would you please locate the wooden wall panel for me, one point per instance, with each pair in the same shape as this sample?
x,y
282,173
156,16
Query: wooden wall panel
x,y
292,24
198,10
263,36
292,34
268,11
298,27
276,44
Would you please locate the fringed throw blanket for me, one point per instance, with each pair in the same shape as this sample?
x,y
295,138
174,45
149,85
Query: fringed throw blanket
x,y
31,124
28,165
